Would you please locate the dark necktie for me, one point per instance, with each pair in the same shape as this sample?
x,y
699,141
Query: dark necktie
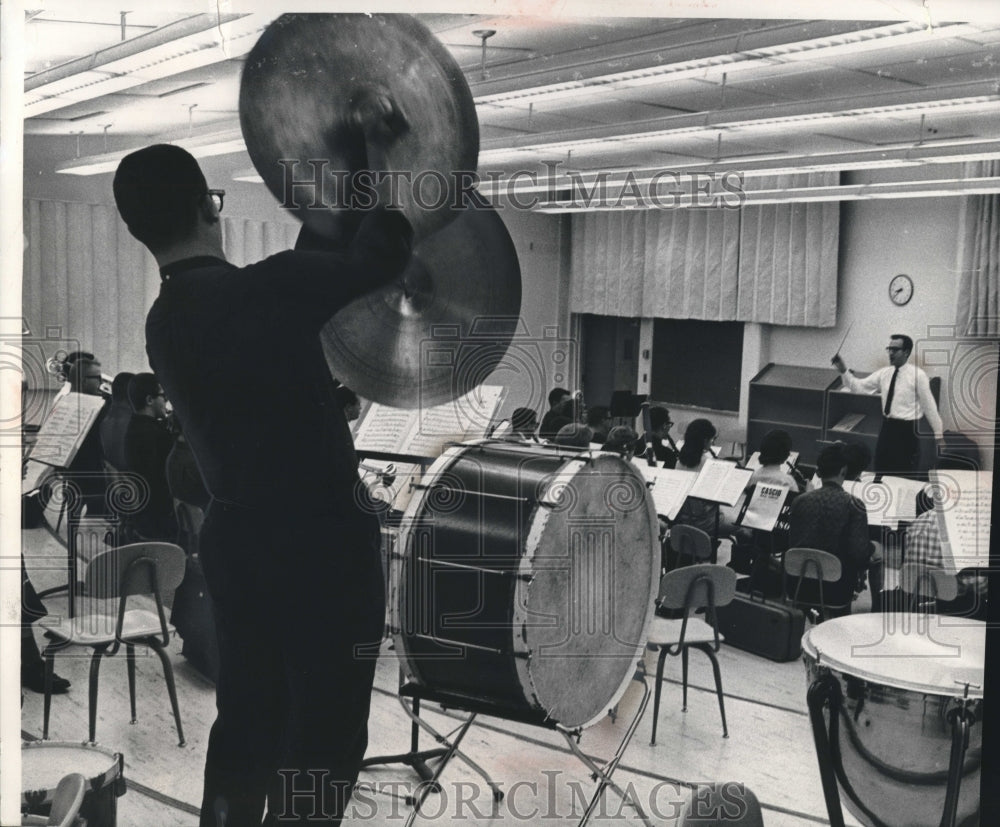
x,y
892,390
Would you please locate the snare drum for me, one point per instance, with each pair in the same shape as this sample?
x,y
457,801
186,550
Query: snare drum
x,y
526,581
891,708
44,763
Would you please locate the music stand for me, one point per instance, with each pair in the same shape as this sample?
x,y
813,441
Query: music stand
x,y
626,405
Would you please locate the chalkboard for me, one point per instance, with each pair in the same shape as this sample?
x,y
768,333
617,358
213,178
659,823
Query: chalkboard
x,y
697,363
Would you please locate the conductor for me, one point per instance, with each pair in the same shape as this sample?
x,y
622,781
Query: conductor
x,y
290,556
906,397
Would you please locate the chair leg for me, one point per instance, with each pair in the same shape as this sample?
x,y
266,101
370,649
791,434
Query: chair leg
x,y
50,659
684,677
168,676
707,649
95,671
130,665
656,693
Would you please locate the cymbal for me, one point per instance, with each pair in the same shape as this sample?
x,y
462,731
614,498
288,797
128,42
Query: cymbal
x,y
439,331
314,85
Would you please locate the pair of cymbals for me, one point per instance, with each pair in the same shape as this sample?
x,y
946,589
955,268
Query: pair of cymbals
x,y
324,96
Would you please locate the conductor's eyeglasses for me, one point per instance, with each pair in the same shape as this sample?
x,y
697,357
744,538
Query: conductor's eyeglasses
x,y
894,349
218,198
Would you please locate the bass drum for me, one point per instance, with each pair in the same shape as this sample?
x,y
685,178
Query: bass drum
x,y
892,699
526,581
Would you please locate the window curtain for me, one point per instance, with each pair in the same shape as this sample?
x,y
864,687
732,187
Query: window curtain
x,y
678,264
771,263
978,308
88,284
788,257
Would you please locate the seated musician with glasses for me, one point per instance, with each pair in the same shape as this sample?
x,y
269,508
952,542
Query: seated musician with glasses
x,y
148,443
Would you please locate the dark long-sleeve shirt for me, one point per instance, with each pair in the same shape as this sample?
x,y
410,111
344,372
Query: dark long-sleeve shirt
x,y
147,445
238,352
830,519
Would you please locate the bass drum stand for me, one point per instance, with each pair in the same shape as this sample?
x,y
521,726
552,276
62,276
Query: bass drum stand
x,y
450,742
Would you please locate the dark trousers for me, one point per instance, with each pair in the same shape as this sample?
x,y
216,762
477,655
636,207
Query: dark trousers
x,y
897,449
300,611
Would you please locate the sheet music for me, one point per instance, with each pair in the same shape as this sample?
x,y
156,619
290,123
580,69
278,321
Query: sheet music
x,y
754,462
765,506
966,502
424,432
668,487
889,502
65,428
383,428
720,482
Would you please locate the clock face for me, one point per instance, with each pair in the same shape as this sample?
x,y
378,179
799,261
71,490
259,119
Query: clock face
x,y
901,289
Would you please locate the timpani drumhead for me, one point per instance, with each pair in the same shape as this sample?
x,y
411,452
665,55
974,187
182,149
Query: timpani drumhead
x,y
591,574
45,763
939,656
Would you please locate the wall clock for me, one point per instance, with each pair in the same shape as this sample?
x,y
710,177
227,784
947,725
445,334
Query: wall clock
x,y
901,289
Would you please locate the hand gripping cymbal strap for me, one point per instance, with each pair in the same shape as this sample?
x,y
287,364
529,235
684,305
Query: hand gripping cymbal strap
x,y
603,774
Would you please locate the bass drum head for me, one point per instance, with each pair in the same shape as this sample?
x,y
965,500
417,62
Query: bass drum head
x,y
590,575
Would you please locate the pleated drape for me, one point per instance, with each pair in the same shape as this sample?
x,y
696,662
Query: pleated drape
x,y
89,284
978,307
788,258
774,264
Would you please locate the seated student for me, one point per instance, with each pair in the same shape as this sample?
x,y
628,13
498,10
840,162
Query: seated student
x,y
148,443
599,422
775,448
523,424
183,476
696,451
115,422
549,427
32,665
664,449
924,547
621,440
830,519
573,435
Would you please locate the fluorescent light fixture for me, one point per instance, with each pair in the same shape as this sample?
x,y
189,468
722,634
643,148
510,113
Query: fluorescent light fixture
x,y
801,195
819,49
205,146
607,139
191,43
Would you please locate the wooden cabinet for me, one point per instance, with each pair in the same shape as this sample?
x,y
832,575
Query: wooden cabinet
x,y
793,399
853,417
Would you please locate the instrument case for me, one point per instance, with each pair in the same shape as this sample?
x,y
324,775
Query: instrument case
x,y
762,627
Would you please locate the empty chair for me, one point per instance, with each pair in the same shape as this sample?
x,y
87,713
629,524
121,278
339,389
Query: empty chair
x,y
723,804
814,568
702,586
66,803
690,545
153,569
